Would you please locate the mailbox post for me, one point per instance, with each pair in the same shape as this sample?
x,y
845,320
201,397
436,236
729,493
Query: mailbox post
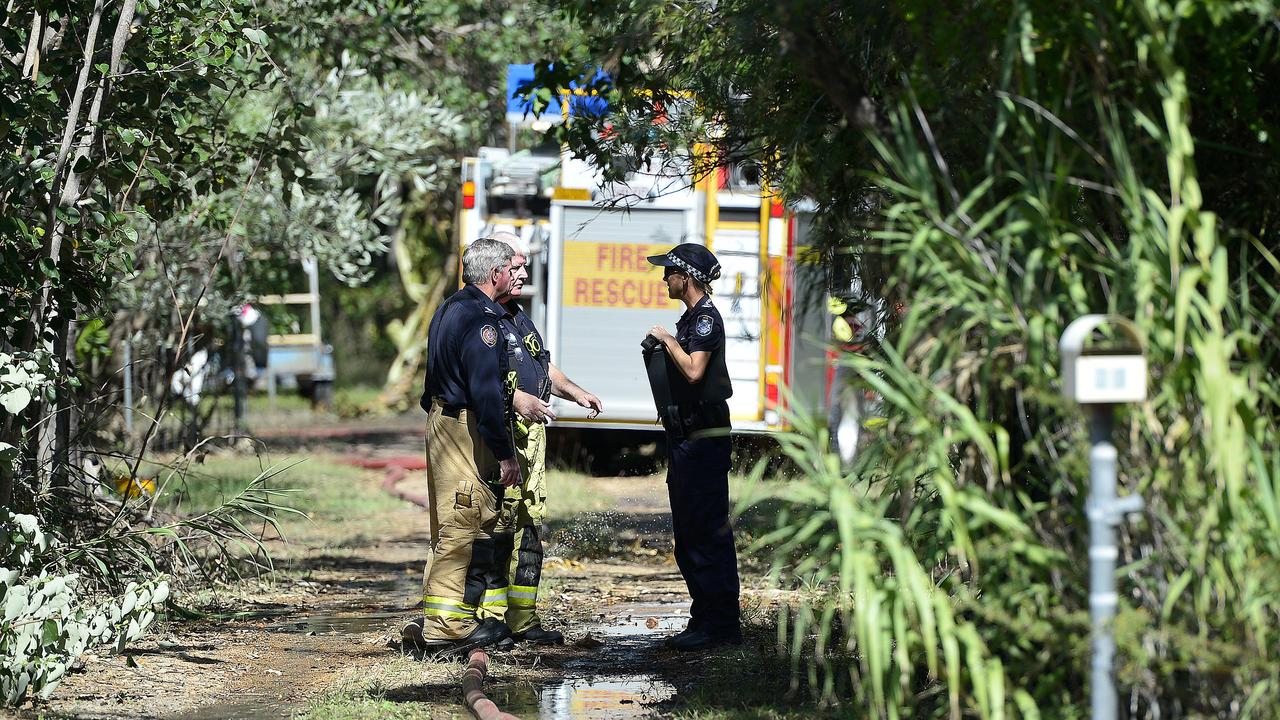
x,y
1099,378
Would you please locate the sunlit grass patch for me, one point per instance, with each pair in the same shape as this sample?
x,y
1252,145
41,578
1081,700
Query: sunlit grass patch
x,y
572,493
408,689
321,484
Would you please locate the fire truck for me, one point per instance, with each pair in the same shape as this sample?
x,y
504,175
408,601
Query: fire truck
x,y
594,294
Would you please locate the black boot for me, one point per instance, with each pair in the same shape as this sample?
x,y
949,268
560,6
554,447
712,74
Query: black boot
x,y
703,639
671,640
540,636
490,632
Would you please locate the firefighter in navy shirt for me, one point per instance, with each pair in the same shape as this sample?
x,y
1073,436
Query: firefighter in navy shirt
x,y
470,455
698,450
518,534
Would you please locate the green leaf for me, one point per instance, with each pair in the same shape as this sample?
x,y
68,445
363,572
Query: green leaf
x,y
159,176
49,269
256,36
16,400
50,632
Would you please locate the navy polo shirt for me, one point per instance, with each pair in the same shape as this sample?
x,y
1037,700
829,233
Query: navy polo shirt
x,y
467,364
700,328
527,355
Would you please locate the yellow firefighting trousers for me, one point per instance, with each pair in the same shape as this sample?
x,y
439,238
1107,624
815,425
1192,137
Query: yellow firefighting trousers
x,y
518,537
463,511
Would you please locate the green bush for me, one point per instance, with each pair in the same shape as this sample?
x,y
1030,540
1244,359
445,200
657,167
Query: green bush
x,y
47,624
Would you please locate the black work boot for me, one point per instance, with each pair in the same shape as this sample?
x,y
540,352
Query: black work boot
x,y
411,635
670,640
540,636
703,639
490,632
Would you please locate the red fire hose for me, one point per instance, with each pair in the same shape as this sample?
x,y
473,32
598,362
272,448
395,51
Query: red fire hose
x,y
473,689
397,468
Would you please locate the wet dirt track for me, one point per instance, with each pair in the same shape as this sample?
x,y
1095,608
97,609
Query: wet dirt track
x,y
610,585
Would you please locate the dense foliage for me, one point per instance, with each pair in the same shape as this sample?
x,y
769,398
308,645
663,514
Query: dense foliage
x,y
47,622
997,169
162,163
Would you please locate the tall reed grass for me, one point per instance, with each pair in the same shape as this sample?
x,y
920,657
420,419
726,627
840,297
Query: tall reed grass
x,y
954,549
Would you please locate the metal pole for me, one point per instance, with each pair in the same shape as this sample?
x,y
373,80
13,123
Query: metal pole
x,y
128,386
1102,559
313,287
1105,511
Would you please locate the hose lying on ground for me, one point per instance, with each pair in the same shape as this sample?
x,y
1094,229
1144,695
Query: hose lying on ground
x,y
397,468
473,689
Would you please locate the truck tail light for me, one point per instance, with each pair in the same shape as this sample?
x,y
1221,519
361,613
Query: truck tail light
x,y
771,390
468,195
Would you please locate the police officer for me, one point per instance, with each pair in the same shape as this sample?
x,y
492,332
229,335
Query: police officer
x,y
697,425
469,451
518,533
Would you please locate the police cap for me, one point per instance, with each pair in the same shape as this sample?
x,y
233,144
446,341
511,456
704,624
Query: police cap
x,y
691,258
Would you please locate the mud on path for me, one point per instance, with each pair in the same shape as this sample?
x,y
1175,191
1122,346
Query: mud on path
x,y
327,625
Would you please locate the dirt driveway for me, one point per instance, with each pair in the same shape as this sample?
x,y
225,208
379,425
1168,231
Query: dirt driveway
x,y
320,639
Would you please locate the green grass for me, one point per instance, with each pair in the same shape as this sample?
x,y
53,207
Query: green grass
x,y
321,486
401,688
571,493
348,402
338,707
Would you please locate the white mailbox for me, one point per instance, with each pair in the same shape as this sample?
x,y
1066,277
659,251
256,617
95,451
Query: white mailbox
x,y
1112,371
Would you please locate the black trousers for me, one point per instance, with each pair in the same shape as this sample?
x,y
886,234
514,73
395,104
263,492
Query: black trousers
x,y
698,486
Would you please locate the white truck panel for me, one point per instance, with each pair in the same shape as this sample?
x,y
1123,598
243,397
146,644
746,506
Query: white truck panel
x,y
741,316
745,403
736,241
605,296
739,274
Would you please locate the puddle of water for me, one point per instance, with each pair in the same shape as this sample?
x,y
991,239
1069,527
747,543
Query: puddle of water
x,y
629,631
341,623
583,698
643,618
605,697
263,709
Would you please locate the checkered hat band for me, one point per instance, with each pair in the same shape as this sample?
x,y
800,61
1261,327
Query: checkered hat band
x,y
694,272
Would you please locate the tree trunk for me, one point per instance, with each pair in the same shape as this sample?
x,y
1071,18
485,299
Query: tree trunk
x,y
412,343
55,438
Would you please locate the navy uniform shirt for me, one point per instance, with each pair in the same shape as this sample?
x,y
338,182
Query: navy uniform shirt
x,y
527,355
700,329
467,364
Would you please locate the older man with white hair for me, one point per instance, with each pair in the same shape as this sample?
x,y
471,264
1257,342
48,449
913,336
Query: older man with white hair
x,y
533,379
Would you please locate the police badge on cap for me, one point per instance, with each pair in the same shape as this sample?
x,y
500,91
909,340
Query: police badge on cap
x,y
699,262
